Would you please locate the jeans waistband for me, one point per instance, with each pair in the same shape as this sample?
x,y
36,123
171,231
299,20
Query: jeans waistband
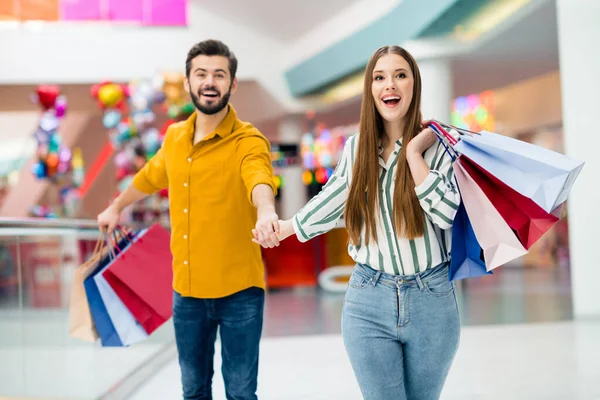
x,y
418,279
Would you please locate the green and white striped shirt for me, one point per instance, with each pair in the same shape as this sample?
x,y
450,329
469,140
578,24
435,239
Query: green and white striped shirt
x,y
395,255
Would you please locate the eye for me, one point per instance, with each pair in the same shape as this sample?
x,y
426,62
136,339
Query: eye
x,y
220,76
401,75
378,77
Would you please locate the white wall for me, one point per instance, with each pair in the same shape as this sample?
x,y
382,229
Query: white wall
x,y
579,31
91,52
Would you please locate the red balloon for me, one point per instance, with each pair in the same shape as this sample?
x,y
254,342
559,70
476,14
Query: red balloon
x,y
47,95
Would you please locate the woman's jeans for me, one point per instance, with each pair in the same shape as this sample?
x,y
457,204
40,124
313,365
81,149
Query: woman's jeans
x,y
401,332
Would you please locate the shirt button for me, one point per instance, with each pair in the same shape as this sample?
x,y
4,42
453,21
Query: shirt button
x,y
185,184
185,263
189,159
185,210
185,236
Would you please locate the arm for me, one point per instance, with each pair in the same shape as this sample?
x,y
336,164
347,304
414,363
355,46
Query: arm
x,y
257,174
151,178
323,211
435,188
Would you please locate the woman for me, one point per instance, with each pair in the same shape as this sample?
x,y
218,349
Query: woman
x,y
395,186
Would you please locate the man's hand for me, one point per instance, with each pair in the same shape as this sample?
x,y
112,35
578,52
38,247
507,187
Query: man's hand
x,y
286,229
267,227
109,219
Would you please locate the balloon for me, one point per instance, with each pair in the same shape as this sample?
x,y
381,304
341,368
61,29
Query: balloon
x,y
54,144
173,88
188,108
42,136
39,170
48,122
63,167
173,112
61,106
46,95
111,119
65,155
52,161
110,94
122,160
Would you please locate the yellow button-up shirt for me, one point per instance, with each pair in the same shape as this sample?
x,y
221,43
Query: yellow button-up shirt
x,y
210,199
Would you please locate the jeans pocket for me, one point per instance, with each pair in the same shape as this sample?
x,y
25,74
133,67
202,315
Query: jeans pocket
x,y
439,287
358,281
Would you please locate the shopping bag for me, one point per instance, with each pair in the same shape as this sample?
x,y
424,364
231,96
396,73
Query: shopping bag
x,y
466,259
81,324
522,214
125,325
104,326
142,277
498,241
543,175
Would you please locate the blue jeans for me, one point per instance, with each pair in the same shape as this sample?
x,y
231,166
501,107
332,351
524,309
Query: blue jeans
x,y
239,318
401,332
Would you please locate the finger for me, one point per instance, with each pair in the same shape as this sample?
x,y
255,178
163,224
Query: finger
x,y
261,237
255,233
277,227
269,228
274,239
269,242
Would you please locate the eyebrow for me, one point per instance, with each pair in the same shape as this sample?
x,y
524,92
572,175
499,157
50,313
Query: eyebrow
x,y
204,70
399,69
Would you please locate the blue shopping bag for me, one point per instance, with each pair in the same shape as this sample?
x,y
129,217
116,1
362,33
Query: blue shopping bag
x,y
540,174
104,326
466,259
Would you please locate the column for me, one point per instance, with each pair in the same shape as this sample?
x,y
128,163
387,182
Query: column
x,y
436,92
293,193
578,30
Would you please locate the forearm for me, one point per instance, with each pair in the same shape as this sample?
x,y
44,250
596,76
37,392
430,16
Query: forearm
x,y
418,167
263,198
129,196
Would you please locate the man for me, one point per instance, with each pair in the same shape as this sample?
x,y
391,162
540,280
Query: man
x,y
219,175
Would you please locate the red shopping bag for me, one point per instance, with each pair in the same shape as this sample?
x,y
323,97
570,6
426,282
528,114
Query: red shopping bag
x,y
142,277
523,215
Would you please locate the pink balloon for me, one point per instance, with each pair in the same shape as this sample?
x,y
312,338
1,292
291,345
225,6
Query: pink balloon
x,y
61,106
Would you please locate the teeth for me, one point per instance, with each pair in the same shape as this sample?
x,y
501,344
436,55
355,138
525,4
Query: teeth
x,y
391,98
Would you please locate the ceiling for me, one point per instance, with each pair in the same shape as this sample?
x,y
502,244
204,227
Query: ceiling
x,y
282,20
525,47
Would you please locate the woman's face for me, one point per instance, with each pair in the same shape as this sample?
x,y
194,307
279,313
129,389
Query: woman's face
x,y
392,87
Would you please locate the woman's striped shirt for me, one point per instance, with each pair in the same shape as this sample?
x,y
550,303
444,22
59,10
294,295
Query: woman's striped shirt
x,y
396,255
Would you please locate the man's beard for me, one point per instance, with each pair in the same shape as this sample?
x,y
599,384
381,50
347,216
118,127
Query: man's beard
x,y
213,108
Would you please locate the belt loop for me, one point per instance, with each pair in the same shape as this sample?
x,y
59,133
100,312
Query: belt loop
x,y
375,279
419,282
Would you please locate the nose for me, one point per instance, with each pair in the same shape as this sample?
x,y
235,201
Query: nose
x,y
209,80
390,85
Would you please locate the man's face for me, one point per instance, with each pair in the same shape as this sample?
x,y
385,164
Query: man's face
x,y
210,84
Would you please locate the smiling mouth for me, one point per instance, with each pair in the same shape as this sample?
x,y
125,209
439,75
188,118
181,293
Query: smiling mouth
x,y
391,101
209,94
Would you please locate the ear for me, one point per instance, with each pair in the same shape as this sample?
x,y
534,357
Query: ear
x,y
234,85
186,85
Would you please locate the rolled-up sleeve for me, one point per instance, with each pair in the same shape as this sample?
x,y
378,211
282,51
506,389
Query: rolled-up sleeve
x,y
153,176
254,156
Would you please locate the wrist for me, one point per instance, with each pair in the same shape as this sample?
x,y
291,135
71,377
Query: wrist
x,y
265,208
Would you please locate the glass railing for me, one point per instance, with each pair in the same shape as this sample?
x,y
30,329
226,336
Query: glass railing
x,y
38,359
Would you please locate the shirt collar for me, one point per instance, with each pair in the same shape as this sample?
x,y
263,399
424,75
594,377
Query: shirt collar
x,y
224,129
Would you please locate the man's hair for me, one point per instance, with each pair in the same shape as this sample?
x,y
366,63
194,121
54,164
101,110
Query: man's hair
x,y
211,47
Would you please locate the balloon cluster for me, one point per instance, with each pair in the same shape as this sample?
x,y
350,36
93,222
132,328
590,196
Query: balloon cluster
x,y
129,116
56,162
53,159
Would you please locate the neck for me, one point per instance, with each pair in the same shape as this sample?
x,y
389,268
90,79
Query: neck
x,y
206,124
393,131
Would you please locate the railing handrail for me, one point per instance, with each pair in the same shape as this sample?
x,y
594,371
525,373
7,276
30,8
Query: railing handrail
x,y
67,223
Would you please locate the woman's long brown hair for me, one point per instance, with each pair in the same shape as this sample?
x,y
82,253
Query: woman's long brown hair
x,y
360,210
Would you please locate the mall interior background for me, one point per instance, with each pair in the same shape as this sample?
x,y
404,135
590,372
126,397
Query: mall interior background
x,y
522,68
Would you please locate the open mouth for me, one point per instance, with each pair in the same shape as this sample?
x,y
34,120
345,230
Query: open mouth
x,y
391,100
210,94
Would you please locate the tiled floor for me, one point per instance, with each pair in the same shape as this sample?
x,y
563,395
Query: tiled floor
x,y
531,361
302,348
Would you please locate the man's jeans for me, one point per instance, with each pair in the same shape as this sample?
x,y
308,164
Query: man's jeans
x,y
239,318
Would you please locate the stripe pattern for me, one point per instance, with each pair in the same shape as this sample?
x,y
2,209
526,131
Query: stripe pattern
x,y
438,196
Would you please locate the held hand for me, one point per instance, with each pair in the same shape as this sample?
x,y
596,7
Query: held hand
x,y
109,219
267,228
286,229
